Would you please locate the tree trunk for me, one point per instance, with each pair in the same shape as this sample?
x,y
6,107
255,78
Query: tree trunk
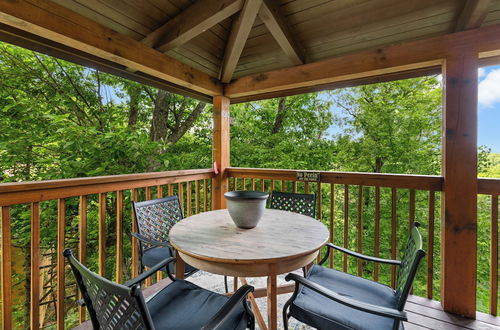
x,y
134,94
159,125
187,124
280,116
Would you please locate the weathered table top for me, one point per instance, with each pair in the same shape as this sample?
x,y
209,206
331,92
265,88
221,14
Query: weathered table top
x,y
280,235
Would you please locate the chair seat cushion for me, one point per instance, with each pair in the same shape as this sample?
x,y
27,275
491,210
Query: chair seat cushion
x,y
154,255
320,312
184,305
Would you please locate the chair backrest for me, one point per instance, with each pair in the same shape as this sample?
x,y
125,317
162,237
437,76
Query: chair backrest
x,y
156,217
409,265
110,305
298,203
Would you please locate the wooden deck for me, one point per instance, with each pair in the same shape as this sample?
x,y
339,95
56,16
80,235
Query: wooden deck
x,y
422,314
428,314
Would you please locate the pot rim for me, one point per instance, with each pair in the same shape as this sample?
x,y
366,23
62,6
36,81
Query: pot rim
x,y
245,194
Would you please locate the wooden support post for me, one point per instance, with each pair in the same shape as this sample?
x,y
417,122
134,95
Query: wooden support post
x,y
459,231
220,150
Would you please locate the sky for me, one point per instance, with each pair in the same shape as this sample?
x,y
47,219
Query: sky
x,y
489,108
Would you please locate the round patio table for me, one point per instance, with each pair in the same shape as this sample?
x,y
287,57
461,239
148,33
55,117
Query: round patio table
x,y
282,242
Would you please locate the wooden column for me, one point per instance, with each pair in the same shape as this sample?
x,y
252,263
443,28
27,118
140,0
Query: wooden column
x,y
220,150
459,225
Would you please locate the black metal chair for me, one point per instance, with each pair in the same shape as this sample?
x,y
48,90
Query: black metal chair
x,y
180,305
330,299
299,203
154,219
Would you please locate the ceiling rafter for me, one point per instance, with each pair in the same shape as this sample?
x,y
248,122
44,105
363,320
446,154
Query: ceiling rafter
x,y
238,37
193,21
270,14
473,14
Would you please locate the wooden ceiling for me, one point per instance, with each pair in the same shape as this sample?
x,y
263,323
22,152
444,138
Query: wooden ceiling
x,y
229,39
216,46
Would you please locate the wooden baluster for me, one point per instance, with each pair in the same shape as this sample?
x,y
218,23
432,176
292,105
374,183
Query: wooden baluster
x,y
61,224
393,236
119,236
295,187
494,255
35,267
360,229
189,196
147,282
262,185
82,246
376,248
135,247
346,223
244,187
102,234
180,192
412,208
273,185
332,220
205,195
170,189
320,215
306,187
197,196
6,269
252,183
235,184
283,185
430,245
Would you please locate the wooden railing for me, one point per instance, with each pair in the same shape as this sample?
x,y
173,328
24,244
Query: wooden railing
x,y
388,204
107,199
93,216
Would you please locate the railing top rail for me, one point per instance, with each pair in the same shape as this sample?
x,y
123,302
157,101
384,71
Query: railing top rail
x,y
26,192
409,181
488,186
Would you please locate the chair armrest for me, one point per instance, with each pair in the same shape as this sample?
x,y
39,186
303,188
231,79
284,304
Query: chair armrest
x,y
152,271
353,303
149,241
358,255
218,319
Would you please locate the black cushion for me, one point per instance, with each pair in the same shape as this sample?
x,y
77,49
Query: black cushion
x,y
184,305
154,255
320,312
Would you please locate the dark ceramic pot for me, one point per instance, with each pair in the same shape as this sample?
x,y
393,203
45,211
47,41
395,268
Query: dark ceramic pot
x,y
246,207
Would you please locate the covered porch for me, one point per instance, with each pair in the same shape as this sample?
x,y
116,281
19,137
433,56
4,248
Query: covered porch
x,y
266,49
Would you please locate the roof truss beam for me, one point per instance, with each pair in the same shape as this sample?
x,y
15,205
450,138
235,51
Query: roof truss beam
x,y
238,37
405,57
190,23
54,22
270,14
473,14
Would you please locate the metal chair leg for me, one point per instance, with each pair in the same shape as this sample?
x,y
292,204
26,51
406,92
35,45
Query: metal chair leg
x,y
226,286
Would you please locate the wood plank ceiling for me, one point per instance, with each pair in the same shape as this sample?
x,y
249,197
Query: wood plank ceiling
x,y
228,39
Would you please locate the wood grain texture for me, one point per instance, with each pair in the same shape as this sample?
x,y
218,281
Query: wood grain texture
x,y
119,237
60,287
220,151
402,57
276,23
82,246
196,19
459,168
238,37
6,269
494,256
49,20
102,235
35,267
473,14
27,192
266,243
